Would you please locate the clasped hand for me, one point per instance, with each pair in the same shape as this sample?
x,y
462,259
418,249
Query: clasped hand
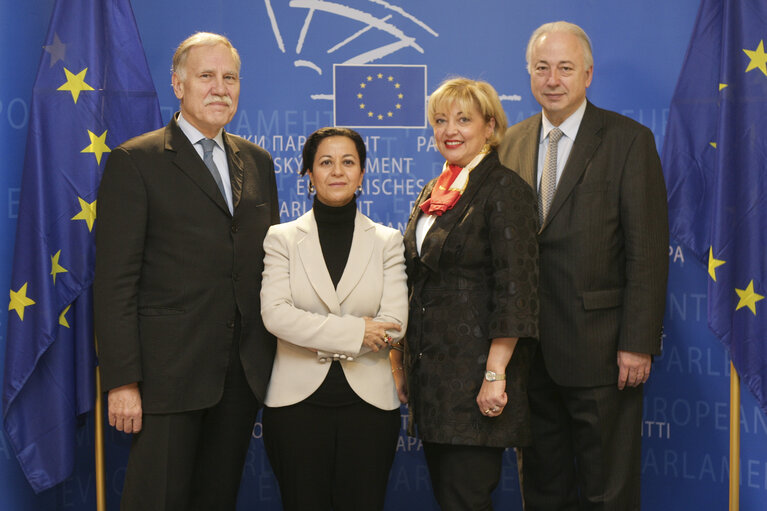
x,y
376,337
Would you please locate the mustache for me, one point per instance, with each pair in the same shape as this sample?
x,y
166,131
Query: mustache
x,y
213,98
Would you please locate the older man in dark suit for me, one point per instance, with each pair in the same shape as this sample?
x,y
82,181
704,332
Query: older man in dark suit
x,y
603,261
182,214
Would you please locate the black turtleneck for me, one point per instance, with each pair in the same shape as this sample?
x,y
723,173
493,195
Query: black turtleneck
x,y
335,226
336,229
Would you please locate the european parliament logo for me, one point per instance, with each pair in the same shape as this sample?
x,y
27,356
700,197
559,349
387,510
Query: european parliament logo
x,y
377,96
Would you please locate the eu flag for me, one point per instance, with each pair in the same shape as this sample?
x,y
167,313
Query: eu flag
x,y
715,160
93,91
374,96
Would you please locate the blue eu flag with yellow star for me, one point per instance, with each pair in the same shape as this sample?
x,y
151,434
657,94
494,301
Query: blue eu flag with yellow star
x,y
93,91
375,96
715,161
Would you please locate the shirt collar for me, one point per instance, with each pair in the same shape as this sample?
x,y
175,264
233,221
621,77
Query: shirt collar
x,y
194,135
570,125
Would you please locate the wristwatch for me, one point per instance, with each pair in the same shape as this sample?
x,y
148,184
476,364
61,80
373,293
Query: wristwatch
x,y
493,376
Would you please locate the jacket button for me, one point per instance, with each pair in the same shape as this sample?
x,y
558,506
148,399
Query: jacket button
x,y
423,310
420,356
230,323
235,227
235,277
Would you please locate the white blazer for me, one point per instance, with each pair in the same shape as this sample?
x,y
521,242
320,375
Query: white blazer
x,y
300,306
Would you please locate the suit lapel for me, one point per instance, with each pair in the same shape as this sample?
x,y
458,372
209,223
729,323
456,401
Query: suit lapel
x,y
528,160
586,142
236,169
310,252
190,163
360,253
411,250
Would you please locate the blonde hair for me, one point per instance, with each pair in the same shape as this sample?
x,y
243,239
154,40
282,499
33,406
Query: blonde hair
x,y
469,94
200,39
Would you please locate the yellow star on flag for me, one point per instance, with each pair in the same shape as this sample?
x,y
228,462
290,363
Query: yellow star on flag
x,y
75,83
712,144
98,145
87,212
748,297
722,86
713,263
758,58
56,268
62,317
19,300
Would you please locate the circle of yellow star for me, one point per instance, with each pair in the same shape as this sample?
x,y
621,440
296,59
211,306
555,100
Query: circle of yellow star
x,y
75,83
19,300
758,58
382,77
748,297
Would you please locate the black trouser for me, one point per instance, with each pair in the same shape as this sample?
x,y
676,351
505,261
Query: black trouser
x,y
586,451
327,457
463,476
193,460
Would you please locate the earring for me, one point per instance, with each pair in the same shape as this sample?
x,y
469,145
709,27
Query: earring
x,y
359,190
311,188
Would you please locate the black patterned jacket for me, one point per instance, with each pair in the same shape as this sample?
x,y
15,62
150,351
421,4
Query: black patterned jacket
x,y
476,280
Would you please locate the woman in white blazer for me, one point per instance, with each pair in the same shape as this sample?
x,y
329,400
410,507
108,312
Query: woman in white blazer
x,y
334,293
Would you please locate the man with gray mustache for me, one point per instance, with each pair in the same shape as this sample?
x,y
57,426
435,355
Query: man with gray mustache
x,y
182,215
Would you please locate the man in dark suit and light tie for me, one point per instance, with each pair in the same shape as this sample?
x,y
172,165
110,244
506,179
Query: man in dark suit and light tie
x,y
603,260
182,215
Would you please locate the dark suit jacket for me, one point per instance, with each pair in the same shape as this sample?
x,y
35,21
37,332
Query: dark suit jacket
x,y
475,280
603,249
174,268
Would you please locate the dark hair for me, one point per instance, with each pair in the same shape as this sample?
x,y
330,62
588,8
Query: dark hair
x,y
313,142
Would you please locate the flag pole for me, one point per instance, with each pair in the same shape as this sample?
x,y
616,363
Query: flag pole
x,y
98,423
734,439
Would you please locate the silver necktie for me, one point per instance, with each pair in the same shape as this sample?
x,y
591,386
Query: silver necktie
x,y
549,176
207,156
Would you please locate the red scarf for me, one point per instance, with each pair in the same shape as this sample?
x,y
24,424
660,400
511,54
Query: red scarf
x,y
442,197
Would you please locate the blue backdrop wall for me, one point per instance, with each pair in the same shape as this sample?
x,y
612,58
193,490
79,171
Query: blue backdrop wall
x,y
288,52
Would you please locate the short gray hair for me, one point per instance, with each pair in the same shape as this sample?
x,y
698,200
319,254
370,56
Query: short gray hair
x,y
560,26
200,39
